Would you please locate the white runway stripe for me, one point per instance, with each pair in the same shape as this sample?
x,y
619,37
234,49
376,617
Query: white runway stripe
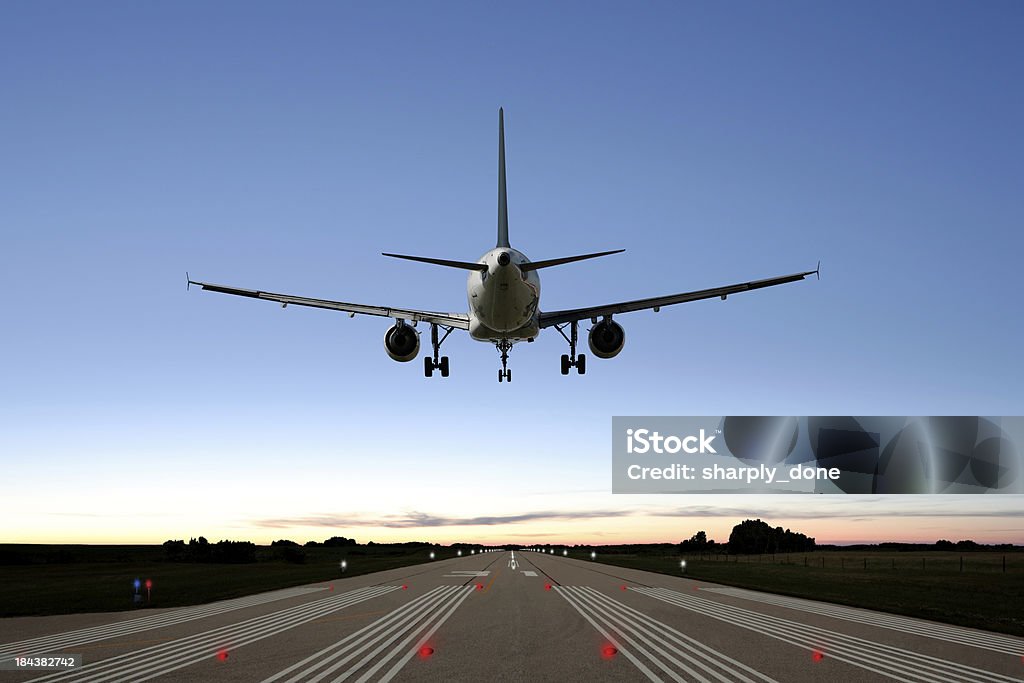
x,y
951,634
423,639
161,659
69,639
897,663
611,639
674,653
420,617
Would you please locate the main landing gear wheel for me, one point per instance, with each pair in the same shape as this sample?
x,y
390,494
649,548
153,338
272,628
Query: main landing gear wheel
x,y
571,360
436,363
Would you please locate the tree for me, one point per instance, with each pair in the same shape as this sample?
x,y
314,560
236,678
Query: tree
x,y
750,537
754,537
339,542
174,551
697,543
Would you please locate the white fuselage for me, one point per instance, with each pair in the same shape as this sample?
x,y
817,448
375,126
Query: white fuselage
x,y
503,300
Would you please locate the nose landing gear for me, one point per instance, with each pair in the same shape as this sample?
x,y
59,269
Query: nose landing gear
x,y
504,346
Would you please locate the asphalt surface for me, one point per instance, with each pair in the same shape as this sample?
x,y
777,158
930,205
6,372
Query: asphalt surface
x,y
503,616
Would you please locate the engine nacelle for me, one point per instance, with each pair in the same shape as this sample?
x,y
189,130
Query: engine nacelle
x,y
606,339
402,343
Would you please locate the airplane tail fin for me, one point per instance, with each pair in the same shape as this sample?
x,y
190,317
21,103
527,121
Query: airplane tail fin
x,y
502,195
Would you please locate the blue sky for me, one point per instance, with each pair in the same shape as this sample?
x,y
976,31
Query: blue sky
x,y
284,147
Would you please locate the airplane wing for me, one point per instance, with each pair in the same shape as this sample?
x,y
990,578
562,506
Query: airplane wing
x,y
573,314
456,320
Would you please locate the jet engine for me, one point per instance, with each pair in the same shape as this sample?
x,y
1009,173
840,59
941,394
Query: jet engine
x,y
606,339
402,343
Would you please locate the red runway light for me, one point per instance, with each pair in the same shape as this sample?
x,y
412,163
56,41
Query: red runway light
x,y
479,586
426,651
149,583
405,587
547,586
623,586
332,587
222,655
817,656
609,651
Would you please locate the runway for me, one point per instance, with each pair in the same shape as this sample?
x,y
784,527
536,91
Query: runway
x,y
511,616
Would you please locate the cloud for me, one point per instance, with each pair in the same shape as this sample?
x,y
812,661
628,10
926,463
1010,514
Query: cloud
x,y
849,508
419,520
854,510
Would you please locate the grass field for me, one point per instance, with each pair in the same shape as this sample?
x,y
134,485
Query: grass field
x,y
36,580
929,585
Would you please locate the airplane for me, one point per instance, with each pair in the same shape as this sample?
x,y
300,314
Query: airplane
x,y
503,290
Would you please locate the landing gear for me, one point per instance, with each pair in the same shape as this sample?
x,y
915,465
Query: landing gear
x,y
571,360
504,346
436,363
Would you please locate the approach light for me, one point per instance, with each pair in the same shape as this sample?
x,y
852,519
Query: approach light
x,y
565,553
593,554
682,565
431,554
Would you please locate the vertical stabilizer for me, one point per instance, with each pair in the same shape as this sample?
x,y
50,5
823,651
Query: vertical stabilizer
x,y
502,196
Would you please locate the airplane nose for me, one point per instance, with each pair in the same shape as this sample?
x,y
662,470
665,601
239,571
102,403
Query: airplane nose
x,y
504,258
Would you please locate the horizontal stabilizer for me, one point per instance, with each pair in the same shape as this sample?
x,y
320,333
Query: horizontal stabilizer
x,y
536,265
465,265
